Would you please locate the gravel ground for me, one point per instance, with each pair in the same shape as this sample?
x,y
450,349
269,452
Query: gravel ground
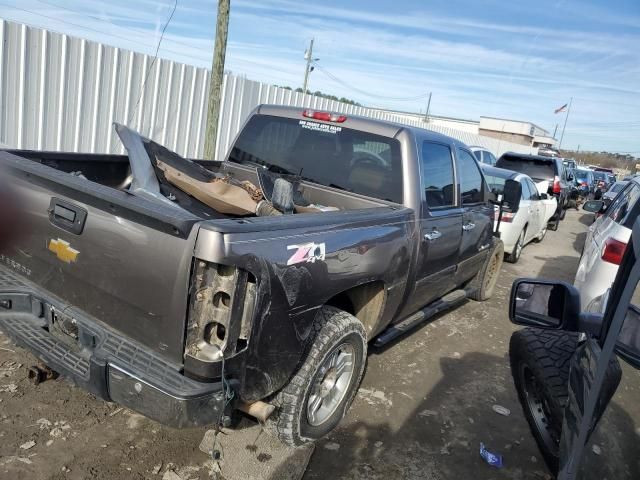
x,y
424,406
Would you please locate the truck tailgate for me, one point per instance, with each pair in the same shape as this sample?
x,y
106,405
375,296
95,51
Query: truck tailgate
x,y
121,259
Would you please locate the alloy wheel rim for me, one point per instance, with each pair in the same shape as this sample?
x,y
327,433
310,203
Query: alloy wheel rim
x,y
330,384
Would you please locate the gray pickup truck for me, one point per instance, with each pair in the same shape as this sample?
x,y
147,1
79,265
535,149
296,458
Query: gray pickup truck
x,y
156,301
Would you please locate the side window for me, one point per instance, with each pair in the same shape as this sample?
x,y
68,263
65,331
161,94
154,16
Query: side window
x,y
526,193
470,178
534,191
492,160
478,155
437,174
633,195
619,210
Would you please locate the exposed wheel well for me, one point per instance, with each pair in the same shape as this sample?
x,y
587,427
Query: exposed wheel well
x,y
365,302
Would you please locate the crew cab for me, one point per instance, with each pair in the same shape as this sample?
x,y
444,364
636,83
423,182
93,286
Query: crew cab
x,y
147,296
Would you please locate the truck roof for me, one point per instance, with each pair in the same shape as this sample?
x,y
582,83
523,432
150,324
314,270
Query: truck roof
x,y
379,127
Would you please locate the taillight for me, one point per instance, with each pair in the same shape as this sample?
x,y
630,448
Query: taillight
x,y
506,216
324,116
613,251
556,185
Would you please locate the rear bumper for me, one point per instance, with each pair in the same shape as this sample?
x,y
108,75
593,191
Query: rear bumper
x,y
103,362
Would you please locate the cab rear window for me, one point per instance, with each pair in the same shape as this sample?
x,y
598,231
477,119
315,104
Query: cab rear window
x,y
325,153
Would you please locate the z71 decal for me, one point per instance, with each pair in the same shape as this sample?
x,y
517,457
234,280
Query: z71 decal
x,y
306,253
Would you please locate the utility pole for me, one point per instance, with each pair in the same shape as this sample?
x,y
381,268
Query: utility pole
x,y
426,117
565,123
309,58
217,76
555,131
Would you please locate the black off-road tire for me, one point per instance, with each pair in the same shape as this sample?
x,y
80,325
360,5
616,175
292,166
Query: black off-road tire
x,y
540,362
482,285
332,328
553,224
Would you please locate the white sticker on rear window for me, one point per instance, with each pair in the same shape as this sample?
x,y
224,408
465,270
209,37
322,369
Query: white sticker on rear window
x,y
320,127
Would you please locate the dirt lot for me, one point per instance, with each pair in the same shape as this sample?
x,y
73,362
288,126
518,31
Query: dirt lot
x,y
423,408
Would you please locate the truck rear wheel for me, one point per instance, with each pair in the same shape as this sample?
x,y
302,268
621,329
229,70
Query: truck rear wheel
x,y
319,394
540,361
482,285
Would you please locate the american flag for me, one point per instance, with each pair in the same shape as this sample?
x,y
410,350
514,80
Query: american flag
x,y
561,109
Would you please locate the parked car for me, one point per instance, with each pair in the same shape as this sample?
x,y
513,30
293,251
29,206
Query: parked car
x,y
541,169
584,180
483,155
149,297
606,241
601,180
613,191
526,221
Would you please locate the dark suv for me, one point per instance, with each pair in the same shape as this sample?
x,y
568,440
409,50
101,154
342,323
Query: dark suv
x,y
540,169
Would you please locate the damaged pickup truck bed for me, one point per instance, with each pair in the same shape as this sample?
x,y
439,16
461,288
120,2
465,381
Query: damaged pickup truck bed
x,y
146,296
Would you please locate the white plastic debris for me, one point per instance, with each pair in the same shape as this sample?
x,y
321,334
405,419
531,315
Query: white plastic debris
x,y
500,410
596,449
28,445
332,446
427,413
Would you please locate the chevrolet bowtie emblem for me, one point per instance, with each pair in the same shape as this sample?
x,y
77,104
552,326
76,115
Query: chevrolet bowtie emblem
x,y
63,250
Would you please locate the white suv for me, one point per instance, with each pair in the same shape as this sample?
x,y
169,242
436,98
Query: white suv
x,y
606,242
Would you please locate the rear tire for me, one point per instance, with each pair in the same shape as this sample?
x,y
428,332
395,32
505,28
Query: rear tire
x,y
319,394
553,225
540,361
483,284
563,213
541,236
514,256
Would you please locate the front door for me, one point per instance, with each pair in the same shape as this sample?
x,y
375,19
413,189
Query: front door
x,y
477,221
441,226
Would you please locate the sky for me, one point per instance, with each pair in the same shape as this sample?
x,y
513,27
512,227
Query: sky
x,y
497,58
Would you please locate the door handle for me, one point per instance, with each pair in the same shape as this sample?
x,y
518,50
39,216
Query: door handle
x,y
435,234
67,216
468,226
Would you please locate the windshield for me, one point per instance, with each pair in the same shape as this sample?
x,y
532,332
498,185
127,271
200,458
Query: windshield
x,y
328,154
538,170
600,176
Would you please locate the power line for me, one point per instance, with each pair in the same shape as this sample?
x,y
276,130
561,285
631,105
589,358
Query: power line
x,y
155,57
382,97
108,34
102,20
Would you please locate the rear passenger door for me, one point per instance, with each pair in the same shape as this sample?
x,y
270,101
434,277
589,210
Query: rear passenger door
x,y
535,210
441,224
477,216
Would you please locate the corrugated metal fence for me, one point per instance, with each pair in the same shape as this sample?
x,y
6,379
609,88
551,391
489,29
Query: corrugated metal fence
x,y
63,93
